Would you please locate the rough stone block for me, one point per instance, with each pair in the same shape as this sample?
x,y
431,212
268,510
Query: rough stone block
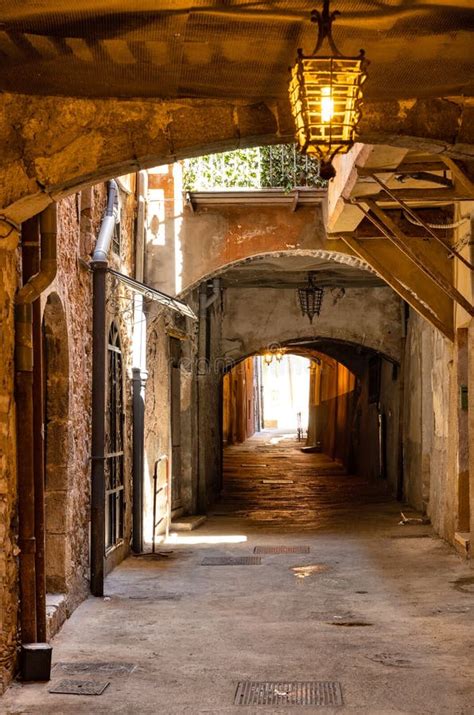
x,y
56,512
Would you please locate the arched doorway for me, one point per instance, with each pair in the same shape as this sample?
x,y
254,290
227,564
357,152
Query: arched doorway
x,y
56,433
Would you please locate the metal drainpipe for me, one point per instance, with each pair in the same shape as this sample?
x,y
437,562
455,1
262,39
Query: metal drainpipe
x,y
24,300
205,302
139,373
99,265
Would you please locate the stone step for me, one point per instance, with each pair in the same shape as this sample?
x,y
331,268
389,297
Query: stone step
x,y
187,523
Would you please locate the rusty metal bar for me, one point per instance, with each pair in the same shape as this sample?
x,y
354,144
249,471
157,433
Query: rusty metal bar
x,y
398,238
452,251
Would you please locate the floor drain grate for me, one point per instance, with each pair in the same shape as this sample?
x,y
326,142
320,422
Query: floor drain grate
x,y
315,693
101,667
281,550
79,687
231,561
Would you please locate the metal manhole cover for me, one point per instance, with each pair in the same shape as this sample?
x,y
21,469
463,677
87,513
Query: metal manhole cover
x,y
231,561
314,693
103,667
281,550
79,687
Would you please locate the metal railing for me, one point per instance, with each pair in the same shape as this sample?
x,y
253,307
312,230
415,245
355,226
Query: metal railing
x,y
281,166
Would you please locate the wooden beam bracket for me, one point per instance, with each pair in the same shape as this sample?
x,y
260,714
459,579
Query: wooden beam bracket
x,y
452,251
394,234
379,266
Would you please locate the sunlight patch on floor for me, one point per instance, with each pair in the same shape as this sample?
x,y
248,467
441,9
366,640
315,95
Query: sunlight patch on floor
x,y
175,538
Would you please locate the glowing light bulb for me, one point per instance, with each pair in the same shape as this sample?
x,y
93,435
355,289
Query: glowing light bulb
x,y
268,357
327,105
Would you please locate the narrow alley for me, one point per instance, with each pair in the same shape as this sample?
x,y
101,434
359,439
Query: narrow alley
x,y
272,483
357,599
236,357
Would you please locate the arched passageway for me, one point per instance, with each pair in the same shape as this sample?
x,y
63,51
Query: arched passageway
x,y
301,431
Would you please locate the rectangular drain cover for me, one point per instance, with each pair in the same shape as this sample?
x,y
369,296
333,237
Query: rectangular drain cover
x,y
79,687
281,550
316,693
231,561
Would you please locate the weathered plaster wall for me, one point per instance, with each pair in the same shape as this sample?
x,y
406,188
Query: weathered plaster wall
x,y
257,317
8,522
202,243
430,425
160,325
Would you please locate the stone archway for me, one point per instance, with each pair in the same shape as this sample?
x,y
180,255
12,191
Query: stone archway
x,y
52,146
56,430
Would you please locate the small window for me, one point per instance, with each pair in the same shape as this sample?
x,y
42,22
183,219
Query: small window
x,y
116,238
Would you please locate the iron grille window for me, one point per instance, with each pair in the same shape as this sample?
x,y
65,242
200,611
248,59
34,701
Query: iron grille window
x,y
114,467
116,238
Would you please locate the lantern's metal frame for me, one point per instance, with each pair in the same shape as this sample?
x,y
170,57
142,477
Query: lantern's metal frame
x,y
339,77
310,298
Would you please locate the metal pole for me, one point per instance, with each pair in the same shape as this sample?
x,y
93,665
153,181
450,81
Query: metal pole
x,y
138,383
39,472
99,349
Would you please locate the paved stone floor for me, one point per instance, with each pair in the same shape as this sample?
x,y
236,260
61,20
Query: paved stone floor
x,y
384,609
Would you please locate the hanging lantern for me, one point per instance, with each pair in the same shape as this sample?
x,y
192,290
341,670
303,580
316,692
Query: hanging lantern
x,y
325,96
310,298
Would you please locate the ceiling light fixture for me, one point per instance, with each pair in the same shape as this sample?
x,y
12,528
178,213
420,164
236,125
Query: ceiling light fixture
x,y
325,95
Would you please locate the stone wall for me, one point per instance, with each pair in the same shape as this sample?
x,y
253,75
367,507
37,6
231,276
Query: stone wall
x,y
257,317
8,518
67,325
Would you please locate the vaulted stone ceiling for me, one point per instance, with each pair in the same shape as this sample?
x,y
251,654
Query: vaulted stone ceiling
x,y
237,48
292,271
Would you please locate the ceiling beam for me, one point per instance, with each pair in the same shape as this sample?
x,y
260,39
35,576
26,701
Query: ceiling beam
x,y
421,260
460,178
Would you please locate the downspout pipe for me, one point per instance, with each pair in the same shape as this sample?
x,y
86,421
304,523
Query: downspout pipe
x,y
99,265
24,300
205,302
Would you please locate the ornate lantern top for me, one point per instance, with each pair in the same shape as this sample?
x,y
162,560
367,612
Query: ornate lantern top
x,y
325,95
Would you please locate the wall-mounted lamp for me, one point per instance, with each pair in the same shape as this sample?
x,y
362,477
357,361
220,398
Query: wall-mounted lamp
x,y
269,355
325,95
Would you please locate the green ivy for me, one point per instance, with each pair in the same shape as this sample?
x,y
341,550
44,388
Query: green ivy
x,y
281,166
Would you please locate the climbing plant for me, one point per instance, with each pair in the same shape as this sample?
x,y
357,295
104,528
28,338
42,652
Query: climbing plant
x,y
281,166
